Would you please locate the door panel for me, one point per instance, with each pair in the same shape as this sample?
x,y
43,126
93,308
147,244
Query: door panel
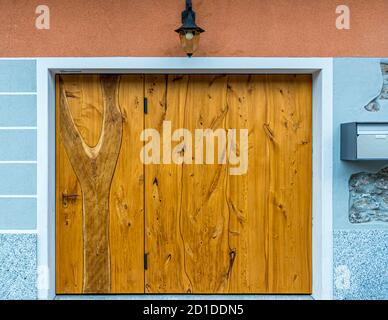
x,y
290,184
203,229
164,245
212,232
179,198
248,194
127,194
99,120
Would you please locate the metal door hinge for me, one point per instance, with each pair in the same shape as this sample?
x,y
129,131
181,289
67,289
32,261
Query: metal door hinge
x,y
145,105
145,261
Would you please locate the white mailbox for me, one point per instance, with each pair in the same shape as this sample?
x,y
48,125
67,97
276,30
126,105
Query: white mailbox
x,y
364,141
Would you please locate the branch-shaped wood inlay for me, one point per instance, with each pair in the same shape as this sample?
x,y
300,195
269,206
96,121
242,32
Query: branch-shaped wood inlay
x,y
95,168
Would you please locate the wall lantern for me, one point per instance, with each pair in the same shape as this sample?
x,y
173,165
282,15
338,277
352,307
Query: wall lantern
x,y
189,32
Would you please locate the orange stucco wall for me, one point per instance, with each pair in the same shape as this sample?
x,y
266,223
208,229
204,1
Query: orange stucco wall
x,y
233,28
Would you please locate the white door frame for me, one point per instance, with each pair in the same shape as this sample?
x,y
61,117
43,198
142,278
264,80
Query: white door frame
x,y
322,72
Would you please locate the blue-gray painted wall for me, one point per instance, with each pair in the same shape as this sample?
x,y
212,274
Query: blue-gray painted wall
x,y
356,83
17,75
360,250
18,211
18,110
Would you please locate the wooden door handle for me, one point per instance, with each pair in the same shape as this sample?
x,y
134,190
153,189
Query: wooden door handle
x,y
71,195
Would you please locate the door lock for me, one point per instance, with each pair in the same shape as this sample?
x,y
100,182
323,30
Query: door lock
x,y
66,197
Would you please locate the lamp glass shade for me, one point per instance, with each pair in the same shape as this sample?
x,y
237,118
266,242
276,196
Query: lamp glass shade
x,y
189,41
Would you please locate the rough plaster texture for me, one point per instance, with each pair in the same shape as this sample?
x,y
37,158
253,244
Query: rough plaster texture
x,y
356,83
374,105
18,266
360,249
368,197
262,28
361,264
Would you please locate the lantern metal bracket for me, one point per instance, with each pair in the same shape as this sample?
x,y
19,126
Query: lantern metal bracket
x,y
188,20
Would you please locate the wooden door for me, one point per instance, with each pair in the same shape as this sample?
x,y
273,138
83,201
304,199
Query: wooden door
x,y
202,229
211,232
99,184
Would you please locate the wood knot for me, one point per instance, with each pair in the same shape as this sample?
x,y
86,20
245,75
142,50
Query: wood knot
x,y
268,131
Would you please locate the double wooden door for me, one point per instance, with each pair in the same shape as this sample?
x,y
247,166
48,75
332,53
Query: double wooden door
x,y
127,227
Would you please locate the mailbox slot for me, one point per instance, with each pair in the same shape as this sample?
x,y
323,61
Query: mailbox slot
x,y
364,141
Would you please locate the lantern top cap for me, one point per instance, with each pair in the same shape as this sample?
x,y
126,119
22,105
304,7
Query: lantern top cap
x,y
188,20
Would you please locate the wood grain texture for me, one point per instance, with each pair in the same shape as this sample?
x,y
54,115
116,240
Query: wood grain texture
x,y
127,194
85,101
237,234
69,221
94,167
273,232
205,231
247,195
164,244
290,153
205,212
